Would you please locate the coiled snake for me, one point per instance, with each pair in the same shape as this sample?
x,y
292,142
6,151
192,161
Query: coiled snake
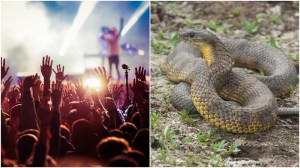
x,y
227,97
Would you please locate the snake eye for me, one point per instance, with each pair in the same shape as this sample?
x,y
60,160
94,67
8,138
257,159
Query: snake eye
x,y
192,35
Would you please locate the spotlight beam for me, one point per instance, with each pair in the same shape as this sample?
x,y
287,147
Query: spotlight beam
x,y
134,18
85,9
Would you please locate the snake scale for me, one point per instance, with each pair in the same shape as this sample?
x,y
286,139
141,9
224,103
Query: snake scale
x,y
227,97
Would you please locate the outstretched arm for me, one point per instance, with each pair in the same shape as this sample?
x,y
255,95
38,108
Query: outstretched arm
x,y
112,111
104,79
98,122
80,89
59,75
116,91
55,123
140,73
20,83
142,104
46,69
28,114
4,70
45,118
7,84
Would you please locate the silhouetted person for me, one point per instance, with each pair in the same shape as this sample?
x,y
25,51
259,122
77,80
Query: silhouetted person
x,y
114,49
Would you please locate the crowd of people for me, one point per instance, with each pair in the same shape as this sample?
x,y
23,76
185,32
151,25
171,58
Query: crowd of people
x,y
46,123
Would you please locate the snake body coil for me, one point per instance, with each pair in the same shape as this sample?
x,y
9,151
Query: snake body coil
x,y
227,97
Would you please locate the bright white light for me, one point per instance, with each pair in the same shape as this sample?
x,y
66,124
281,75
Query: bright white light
x,y
92,83
21,74
138,13
84,11
141,52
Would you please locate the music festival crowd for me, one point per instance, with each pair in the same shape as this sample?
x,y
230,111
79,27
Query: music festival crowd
x,y
63,123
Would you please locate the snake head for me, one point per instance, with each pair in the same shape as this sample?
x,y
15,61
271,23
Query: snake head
x,y
197,37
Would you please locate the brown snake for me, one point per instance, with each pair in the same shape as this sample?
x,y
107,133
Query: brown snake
x,y
227,97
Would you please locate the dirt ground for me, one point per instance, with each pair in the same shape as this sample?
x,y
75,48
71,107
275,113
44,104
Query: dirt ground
x,y
278,146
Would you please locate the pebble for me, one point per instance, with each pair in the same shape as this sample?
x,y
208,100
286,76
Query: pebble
x,y
289,121
276,10
292,151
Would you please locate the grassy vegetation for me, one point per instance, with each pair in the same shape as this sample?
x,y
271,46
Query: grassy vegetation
x,y
251,26
164,42
262,72
260,17
293,57
295,4
162,70
274,43
190,119
172,7
191,22
216,148
237,10
291,88
166,103
167,139
153,120
272,18
275,18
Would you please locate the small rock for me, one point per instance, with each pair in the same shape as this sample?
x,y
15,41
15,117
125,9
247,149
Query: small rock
x,y
289,121
276,10
291,151
289,35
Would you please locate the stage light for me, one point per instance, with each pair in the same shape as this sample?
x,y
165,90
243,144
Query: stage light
x,y
138,13
141,52
85,9
92,83
22,74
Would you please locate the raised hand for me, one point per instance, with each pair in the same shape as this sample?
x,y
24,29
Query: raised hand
x,y
29,81
142,104
68,91
56,94
36,88
101,75
7,83
4,70
20,82
140,73
46,67
13,93
137,88
59,75
79,88
116,91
